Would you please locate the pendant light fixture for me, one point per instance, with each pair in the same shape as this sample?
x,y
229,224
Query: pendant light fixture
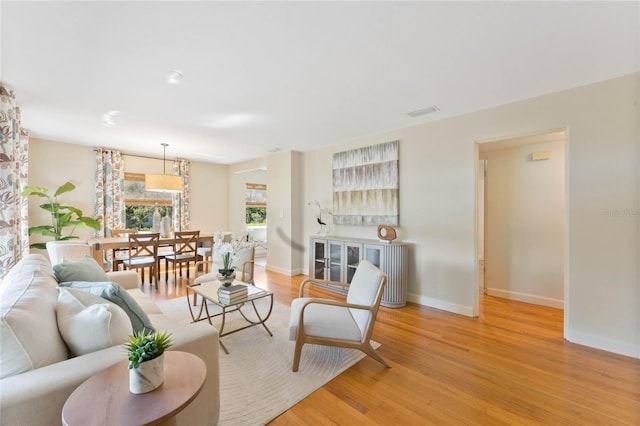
x,y
163,182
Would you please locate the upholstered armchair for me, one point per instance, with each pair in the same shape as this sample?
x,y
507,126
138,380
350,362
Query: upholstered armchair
x,y
347,324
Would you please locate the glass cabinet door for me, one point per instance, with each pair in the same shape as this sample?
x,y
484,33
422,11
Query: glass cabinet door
x,y
373,254
354,256
319,259
335,260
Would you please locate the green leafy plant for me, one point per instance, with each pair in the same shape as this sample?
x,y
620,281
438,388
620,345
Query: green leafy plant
x,y
145,346
62,216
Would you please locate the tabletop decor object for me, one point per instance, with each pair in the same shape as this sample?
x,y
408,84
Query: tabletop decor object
x,y
324,228
146,360
225,250
386,233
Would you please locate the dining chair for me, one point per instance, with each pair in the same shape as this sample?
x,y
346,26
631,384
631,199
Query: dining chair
x,y
143,253
185,250
347,324
205,254
118,255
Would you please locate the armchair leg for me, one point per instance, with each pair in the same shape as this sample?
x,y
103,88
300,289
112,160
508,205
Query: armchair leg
x,y
296,355
369,350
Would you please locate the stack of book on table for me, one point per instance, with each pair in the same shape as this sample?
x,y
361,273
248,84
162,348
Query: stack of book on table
x,y
231,294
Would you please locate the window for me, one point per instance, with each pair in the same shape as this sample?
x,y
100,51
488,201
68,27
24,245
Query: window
x,y
256,204
139,203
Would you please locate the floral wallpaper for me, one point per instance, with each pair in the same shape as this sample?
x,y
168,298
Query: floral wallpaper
x,y
14,150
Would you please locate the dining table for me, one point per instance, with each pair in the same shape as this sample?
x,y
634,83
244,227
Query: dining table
x,y
101,245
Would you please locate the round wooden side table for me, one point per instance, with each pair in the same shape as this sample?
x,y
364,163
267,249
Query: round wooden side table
x,y
104,398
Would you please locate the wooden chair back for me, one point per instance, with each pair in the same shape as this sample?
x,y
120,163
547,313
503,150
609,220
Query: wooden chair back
x,y
186,243
143,245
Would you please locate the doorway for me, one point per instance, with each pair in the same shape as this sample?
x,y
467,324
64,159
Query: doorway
x,y
521,218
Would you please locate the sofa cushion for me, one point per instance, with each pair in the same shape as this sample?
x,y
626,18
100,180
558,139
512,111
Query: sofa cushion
x,y
85,269
28,328
115,294
89,323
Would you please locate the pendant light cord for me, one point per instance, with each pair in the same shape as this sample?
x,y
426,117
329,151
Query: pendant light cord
x,y
164,158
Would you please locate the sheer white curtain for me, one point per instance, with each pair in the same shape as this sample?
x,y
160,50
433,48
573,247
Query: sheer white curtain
x,y
109,201
14,150
181,216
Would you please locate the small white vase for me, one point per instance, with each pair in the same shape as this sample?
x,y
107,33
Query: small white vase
x,y
148,376
165,227
156,218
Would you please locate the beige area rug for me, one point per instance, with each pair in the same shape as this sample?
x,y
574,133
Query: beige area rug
x,y
256,381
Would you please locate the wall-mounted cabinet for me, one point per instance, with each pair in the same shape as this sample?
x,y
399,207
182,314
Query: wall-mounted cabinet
x,y
336,259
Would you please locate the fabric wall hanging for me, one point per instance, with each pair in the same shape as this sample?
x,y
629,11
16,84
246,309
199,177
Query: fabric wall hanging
x,y
365,185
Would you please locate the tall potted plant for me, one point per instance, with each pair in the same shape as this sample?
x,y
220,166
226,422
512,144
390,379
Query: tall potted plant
x,y
62,216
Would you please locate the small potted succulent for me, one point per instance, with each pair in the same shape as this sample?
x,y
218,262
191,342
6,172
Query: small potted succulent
x,y
146,360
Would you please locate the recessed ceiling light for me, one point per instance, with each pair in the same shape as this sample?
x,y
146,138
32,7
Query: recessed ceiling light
x,y
423,111
275,150
175,77
108,119
226,121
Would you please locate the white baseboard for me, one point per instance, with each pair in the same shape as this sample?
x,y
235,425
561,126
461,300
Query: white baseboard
x,y
598,342
467,311
527,298
283,271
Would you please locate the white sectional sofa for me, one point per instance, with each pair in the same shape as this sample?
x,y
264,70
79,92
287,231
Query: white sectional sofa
x,y
37,374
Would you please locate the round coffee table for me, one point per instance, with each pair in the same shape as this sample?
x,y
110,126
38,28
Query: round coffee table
x,y
104,398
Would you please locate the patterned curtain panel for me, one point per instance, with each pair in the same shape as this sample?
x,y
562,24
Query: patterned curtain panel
x,y
109,203
14,224
181,216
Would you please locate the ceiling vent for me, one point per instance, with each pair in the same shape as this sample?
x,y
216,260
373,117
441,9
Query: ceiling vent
x,y
423,111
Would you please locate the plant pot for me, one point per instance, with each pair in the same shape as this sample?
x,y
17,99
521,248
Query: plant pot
x,y
148,376
226,276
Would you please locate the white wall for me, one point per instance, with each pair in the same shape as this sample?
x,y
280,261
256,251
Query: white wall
x,y
50,165
209,195
437,204
284,232
524,233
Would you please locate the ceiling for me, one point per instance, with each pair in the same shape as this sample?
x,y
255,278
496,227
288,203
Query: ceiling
x,y
266,76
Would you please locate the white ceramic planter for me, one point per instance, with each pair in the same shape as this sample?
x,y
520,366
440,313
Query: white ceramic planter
x,y
148,376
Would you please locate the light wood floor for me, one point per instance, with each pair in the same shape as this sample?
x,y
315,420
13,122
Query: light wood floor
x,y
509,366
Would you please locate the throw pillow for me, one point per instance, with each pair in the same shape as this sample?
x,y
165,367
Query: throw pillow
x,y
116,294
88,323
85,269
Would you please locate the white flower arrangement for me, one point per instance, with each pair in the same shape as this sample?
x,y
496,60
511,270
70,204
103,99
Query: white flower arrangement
x,y
226,251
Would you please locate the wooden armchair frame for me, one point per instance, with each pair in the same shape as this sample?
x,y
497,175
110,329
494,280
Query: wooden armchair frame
x,y
363,345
